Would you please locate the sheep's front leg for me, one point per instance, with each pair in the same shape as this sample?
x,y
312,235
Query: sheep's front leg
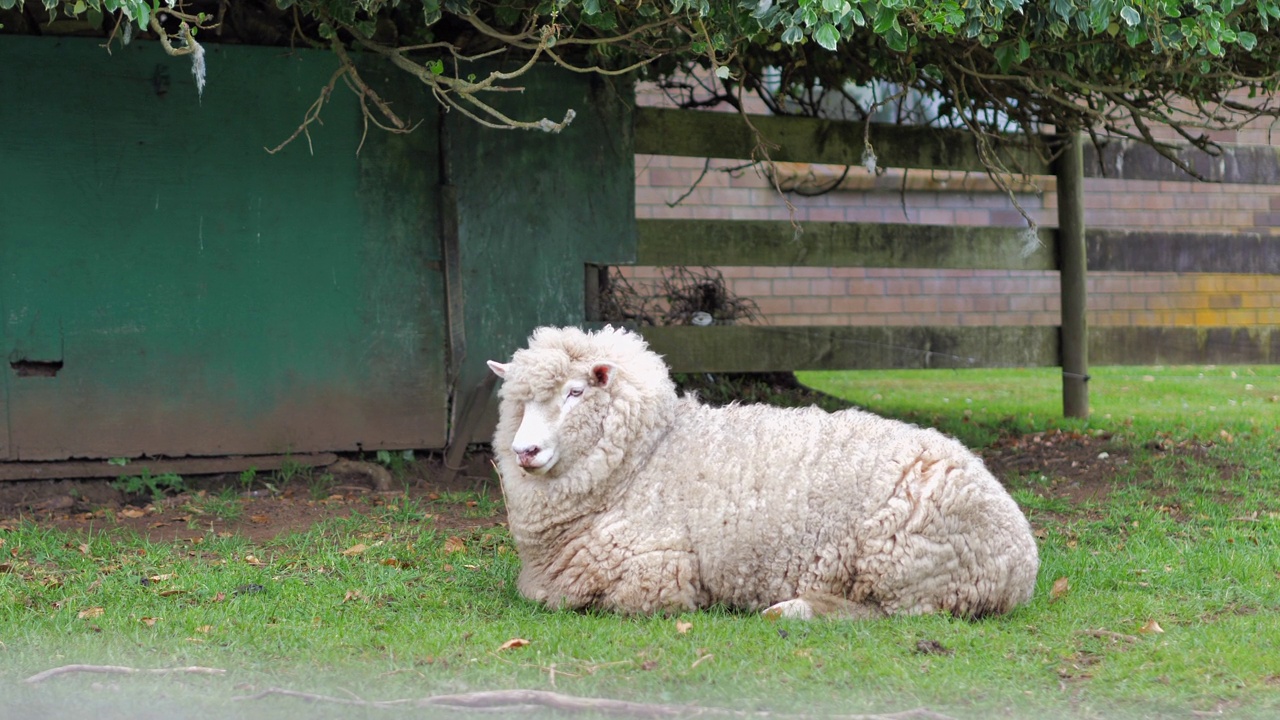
x,y
657,581
812,605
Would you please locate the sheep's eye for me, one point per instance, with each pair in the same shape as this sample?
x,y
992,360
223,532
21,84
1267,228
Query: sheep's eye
x,y
575,392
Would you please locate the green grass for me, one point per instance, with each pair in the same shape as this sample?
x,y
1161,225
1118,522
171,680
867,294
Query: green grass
x,y
978,405
1185,539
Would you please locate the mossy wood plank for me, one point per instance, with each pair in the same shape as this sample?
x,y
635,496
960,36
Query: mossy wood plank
x,y
827,244
1155,251
834,244
206,297
1258,345
1232,164
753,348
690,133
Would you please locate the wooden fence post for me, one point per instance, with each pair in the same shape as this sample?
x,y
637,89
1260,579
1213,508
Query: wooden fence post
x,y
1072,270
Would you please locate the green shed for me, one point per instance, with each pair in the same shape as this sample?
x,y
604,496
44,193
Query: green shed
x,y
169,288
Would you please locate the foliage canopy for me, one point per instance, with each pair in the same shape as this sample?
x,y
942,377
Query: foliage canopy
x,y
1118,66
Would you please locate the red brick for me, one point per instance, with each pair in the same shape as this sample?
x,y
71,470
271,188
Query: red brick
x,y
828,287
790,287
812,305
921,304
803,271
773,306
866,286
939,286
884,304
1026,303
753,288
903,287
847,304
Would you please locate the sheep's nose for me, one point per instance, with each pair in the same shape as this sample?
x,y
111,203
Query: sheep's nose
x,y
528,456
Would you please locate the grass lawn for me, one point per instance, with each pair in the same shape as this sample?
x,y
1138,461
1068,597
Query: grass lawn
x,y
1158,596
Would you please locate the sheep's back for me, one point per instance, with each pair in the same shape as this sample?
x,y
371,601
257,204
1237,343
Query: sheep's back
x,y
780,501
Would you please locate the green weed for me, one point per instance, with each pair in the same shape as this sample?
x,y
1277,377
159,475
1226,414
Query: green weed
x,y
155,486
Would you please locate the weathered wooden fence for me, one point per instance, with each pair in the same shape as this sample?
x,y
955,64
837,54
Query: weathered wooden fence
x,y
1071,250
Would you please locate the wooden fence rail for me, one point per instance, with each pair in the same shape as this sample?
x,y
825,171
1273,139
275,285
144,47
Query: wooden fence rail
x,y
836,244
688,133
1070,250
756,348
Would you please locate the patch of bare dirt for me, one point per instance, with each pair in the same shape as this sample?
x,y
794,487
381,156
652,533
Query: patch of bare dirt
x,y
1077,467
456,501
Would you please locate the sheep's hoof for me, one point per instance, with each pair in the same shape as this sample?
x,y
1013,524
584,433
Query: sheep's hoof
x,y
798,609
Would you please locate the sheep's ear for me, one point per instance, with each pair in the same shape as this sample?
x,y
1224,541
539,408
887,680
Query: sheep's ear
x,y
601,373
499,369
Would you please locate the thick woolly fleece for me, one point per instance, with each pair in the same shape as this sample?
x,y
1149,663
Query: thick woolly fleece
x,y
658,503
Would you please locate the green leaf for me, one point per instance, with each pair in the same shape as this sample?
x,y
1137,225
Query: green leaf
x,y
896,39
832,6
1006,57
885,20
1130,16
827,36
590,7
1247,40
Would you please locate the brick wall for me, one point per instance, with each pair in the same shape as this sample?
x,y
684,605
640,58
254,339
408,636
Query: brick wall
x,y
674,187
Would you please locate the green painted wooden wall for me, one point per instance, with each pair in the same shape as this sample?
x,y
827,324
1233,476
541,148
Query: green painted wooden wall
x,y
536,208
204,297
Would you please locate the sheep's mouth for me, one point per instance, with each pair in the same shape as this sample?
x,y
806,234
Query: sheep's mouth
x,y
537,466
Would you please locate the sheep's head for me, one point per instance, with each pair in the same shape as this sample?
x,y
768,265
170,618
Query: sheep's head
x,y
552,425
572,394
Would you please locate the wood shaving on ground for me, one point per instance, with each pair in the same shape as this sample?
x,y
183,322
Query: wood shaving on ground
x,y
543,699
119,670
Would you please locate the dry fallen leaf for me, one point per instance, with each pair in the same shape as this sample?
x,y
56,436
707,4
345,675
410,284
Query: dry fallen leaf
x,y
355,549
161,578
132,513
1152,627
171,593
1059,589
148,621
92,612
204,629
84,548
683,627
513,643
352,595
454,544
253,560
259,519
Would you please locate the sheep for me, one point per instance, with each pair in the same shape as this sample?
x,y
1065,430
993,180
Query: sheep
x,y
624,497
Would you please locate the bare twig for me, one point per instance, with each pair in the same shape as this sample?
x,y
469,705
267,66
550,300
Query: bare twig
x,y
500,699
312,115
119,670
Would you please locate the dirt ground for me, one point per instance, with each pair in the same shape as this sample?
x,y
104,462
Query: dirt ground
x,y
1075,467
457,501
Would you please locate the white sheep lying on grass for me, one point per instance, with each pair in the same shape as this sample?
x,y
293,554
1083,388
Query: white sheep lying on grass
x,y
622,496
